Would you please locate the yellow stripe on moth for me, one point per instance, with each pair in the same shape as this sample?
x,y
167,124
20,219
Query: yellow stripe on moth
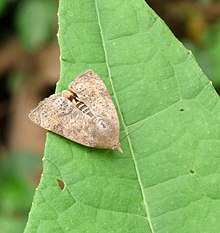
x,y
74,102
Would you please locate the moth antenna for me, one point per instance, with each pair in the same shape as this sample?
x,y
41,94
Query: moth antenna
x,y
117,146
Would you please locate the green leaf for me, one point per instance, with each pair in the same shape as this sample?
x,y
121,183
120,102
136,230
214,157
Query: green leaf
x,y
168,178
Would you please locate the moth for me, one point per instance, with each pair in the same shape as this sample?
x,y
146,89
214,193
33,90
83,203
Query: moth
x,y
84,114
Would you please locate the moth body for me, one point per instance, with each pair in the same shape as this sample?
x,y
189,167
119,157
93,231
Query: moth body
x,y
85,113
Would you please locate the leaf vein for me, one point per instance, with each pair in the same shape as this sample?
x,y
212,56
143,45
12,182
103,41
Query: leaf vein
x,y
123,121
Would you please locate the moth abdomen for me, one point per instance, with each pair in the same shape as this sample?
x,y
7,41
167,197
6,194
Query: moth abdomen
x,y
76,101
84,108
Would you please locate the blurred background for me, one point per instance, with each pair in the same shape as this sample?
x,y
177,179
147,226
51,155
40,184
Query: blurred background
x,y
29,70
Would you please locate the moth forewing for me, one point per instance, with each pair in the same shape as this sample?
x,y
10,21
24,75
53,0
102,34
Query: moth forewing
x,y
85,113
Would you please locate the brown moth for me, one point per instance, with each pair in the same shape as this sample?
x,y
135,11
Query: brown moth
x,y
84,114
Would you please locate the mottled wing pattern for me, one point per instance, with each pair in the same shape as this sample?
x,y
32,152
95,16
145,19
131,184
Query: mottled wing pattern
x,y
59,115
92,90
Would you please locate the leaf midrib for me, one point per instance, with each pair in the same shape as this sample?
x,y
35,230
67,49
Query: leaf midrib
x,y
123,121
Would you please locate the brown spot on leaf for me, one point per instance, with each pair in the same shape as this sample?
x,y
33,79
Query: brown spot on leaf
x,y
61,183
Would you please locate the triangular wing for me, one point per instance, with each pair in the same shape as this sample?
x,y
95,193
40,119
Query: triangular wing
x,y
93,92
59,115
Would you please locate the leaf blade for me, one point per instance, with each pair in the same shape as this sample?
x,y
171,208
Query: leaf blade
x,y
144,190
